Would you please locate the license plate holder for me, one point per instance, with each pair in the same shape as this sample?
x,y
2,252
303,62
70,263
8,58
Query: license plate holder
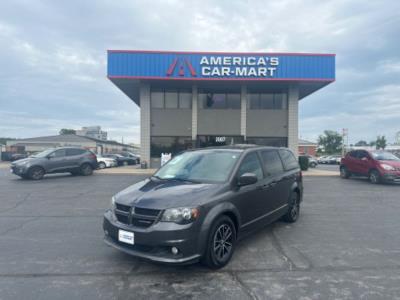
x,y
126,237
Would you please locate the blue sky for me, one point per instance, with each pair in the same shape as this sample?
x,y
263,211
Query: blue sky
x,y
53,58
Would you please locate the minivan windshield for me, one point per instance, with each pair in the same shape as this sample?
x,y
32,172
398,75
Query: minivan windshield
x,y
43,153
384,155
200,166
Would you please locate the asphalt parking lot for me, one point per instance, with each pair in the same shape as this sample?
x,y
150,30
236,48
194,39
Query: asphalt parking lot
x,y
346,245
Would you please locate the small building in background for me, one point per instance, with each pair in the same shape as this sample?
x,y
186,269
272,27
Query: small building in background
x,y
37,144
307,148
92,132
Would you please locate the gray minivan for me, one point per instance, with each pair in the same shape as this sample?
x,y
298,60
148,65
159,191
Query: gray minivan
x,y
77,161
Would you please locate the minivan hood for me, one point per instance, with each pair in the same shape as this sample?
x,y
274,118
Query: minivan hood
x,y
163,194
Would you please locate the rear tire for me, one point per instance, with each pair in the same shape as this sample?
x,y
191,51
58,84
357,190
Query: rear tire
x,y
86,170
313,165
221,243
344,173
125,163
375,177
294,209
102,165
36,173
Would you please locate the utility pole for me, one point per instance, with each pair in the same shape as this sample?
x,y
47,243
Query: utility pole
x,y
345,134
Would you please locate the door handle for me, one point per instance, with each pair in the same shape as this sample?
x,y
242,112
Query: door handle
x,y
269,185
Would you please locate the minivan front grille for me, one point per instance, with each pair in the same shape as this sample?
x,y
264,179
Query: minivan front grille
x,y
136,216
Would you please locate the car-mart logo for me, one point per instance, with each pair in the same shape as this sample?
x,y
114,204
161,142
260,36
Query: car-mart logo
x,y
181,64
227,66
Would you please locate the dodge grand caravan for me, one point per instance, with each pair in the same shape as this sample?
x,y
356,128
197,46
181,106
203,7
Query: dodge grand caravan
x,y
201,202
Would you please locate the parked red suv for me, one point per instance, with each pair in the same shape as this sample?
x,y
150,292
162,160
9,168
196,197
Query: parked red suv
x,y
379,166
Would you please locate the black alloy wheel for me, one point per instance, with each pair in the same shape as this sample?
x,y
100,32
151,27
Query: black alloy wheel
x,y
36,173
374,177
294,209
221,243
86,170
344,173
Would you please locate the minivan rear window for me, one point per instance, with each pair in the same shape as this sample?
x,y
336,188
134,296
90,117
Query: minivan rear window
x,y
288,159
272,162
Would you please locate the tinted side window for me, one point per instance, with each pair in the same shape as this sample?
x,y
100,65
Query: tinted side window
x,y
272,162
71,152
251,164
362,154
353,154
288,159
58,153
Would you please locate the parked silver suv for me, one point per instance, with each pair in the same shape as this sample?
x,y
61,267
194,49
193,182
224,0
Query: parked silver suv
x,y
77,161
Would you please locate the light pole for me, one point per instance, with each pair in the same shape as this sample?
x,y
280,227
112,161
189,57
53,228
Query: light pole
x,y
345,133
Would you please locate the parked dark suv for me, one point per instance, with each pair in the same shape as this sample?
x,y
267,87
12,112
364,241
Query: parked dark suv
x,y
379,166
56,160
197,205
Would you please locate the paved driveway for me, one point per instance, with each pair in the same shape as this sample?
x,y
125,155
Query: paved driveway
x,y
346,245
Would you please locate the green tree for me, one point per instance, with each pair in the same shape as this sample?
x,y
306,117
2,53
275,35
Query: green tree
x,y
361,143
3,140
372,143
67,131
380,142
330,141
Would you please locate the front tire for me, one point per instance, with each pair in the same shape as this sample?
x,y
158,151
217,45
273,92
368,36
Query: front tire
x,y
344,173
374,177
86,170
294,209
221,243
125,163
36,173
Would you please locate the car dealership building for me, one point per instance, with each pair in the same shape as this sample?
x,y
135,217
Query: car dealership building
x,y
200,99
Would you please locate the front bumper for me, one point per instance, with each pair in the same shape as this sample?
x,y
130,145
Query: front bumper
x,y
18,170
155,242
391,177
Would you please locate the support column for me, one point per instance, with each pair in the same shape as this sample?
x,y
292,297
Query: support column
x,y
243,111
145,122
293,118
194,113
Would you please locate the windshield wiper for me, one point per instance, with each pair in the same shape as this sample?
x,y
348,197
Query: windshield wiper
x,y
185,180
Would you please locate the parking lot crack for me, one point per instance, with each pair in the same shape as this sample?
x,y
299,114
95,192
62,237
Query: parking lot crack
x,y
17,204
278,246
19,226
243,286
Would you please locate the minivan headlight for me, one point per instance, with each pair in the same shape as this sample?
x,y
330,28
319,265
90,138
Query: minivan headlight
x,y
387,167
112,203
180,215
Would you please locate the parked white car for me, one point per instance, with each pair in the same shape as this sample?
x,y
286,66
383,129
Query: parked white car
x,y
106,162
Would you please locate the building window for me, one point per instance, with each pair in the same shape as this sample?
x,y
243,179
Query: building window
x,y
157,99
185,99
212,140
208,100
169,144
268,141
171,99
267,101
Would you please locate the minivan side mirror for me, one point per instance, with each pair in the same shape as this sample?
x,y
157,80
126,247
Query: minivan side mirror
x,y
247,179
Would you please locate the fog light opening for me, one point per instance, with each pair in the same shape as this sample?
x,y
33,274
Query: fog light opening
x,y
174,250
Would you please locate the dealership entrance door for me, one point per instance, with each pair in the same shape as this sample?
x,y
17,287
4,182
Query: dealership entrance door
x,y
218,140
